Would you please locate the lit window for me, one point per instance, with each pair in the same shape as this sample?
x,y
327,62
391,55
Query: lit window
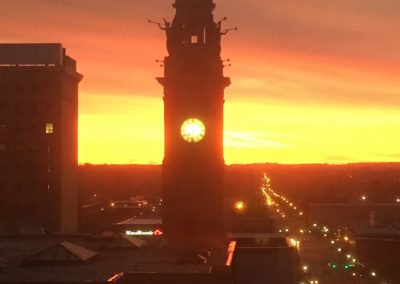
x,y
49,128
195,39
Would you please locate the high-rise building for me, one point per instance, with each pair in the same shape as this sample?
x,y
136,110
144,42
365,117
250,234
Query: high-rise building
x,y
38,139
193,166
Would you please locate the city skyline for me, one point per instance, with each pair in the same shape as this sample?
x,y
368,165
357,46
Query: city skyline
x,y
313,82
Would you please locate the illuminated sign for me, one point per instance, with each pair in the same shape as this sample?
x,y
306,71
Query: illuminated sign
x,y
144,233
295,243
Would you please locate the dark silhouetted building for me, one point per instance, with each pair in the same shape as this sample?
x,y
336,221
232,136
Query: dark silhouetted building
x,y
193,166
38,139
378,250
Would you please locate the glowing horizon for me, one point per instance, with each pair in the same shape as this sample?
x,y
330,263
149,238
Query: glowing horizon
x,y
313,82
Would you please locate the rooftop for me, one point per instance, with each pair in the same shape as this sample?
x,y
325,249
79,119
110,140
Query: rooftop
x,y
156,257
31,54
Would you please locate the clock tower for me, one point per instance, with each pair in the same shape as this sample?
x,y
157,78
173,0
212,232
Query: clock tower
x,y
193,166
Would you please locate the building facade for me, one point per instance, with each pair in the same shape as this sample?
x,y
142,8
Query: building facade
x,y
38,139
193,165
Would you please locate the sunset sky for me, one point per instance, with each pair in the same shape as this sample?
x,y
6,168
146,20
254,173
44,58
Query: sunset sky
x,y
312,81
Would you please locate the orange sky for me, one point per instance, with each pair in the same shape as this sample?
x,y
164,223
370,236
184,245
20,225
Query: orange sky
x,y
312,81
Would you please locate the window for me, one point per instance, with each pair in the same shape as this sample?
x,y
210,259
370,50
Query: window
x,y
18,147
18,108
18,88
33,88
33,108
3,168
18,187
32,168
49,128
33,148
195,39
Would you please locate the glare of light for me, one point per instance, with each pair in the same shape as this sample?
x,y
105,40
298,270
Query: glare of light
x,y
301,231
363,197
314,225
346,238
305,268
193,130
348,256
332,242
354,274
286,230
295,243
112,204
239,205
339,249
398,200
373,273
354,260
301,213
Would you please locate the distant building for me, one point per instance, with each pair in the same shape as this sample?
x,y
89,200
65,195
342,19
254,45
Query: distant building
x,y
38,139
378,250
354,215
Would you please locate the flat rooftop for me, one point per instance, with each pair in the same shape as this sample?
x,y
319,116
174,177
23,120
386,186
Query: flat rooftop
x,y
32,54
156,257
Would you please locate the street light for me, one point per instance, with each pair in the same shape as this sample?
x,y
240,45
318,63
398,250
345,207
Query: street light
x,y
239,206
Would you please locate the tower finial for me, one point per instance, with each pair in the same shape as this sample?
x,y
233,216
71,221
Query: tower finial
x,y
204,4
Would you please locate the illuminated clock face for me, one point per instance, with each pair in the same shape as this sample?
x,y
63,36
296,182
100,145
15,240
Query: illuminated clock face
x,y
193,130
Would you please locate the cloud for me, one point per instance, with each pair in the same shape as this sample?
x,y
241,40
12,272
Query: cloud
x,y
254,140
342,28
